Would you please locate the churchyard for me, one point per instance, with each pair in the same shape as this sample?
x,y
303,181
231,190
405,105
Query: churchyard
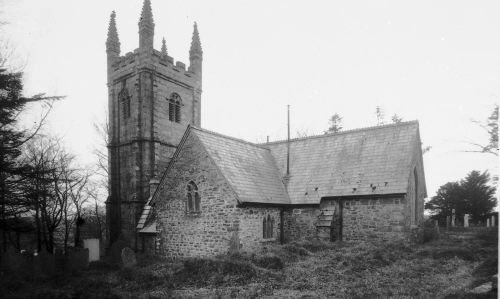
x,y
461,263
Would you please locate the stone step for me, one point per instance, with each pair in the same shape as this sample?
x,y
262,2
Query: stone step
x,y
323,233
325,218
327,212
324,223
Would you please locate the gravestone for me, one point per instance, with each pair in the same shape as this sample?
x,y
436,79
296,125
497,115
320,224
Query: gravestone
x,y
115,251
466,220
93,246
488,222
492,221
128,258
453,218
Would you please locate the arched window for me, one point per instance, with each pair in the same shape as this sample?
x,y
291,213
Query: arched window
x,y
267,227
193,197
124,98
174,108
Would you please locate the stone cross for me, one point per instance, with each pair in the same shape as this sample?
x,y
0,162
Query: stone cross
x,y
453,218
492,221
466,220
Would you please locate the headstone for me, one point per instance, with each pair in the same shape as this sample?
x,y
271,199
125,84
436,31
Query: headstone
x,y
128,258
466,220
93,246
488,222
453,218
115,251
436,226
492,221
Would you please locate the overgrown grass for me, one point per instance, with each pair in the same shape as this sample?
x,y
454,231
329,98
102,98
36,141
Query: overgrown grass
x,y
444,268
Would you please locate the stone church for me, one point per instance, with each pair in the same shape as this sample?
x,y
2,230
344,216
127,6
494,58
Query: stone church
x,y
179,190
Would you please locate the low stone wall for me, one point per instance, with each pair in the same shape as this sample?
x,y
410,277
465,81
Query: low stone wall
x,y
44,263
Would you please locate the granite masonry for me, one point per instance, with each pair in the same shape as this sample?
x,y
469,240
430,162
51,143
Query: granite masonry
x,y
181,191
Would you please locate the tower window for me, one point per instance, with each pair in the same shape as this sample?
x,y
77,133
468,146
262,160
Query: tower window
x,y
124,98
174,108
267,227
193,198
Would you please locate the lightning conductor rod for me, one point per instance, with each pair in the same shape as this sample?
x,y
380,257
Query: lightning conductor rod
x,y
288,143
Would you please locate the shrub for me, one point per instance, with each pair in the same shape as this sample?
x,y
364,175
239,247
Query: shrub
x,y
268,261
204,271
447,253
316,245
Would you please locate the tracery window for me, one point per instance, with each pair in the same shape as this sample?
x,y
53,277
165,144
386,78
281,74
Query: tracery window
x,y
174,108
267,227
193,197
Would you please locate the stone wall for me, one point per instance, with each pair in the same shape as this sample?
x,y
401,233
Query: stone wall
x,y
416,180
221,222
300,223
374,218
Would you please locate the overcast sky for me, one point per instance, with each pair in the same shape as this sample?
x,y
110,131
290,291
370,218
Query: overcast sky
x,y
434,61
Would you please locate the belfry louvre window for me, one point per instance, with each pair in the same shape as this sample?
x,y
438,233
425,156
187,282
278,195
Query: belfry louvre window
x,y
193,198
174,108
267,227
125,101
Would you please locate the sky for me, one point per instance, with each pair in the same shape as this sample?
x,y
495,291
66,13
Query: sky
x,y
437,62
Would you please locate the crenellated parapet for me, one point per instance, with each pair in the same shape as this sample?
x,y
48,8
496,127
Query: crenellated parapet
x,y
163,64
147,57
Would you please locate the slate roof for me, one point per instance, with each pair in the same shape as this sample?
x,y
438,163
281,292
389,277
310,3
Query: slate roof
x,y
368,161
373,160
249,168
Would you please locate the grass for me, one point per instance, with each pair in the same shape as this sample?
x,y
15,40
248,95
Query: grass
x,y
443,268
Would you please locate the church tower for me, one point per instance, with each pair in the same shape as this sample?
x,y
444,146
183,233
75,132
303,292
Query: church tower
x,y
151,102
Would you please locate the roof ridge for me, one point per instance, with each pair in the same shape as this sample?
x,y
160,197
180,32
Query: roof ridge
x,y
343,132
229,137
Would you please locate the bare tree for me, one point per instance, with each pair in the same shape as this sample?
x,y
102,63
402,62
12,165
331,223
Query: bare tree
x,y
379,112
101,152
490,126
